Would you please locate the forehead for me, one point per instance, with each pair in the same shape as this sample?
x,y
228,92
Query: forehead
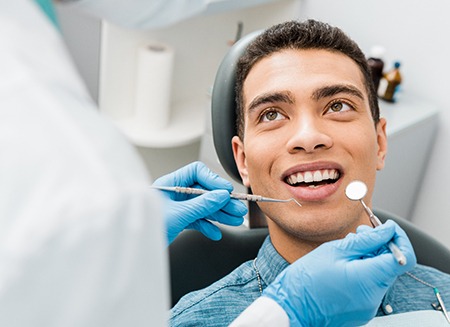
x,y
301,71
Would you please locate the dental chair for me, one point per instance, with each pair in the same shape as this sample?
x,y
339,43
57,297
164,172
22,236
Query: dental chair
x,y
196,262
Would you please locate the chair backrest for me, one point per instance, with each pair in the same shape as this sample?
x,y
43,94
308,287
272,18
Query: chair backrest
x,y
223,106
196,262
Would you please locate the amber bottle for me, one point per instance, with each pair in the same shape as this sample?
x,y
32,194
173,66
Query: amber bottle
x,y
389,83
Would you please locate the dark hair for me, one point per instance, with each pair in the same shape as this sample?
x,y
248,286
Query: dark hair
x,y
310,34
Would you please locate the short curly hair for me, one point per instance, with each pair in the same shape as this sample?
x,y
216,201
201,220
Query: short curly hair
x,y
310,34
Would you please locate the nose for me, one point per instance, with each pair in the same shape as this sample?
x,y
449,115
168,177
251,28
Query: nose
x,y
308,134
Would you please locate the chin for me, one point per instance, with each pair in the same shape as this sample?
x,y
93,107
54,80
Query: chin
x,y
312,230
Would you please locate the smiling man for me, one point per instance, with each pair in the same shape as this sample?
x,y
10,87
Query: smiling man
x,y
308,132
308,124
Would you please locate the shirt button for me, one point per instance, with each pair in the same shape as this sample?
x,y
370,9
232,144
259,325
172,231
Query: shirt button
x,y
388,309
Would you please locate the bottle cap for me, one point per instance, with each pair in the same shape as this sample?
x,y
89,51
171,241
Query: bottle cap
x,y
377,51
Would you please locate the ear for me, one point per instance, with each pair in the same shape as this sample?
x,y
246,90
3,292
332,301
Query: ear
x,y
240,159
382,143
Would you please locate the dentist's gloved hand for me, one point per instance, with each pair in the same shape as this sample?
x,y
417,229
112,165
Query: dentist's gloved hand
x,y
342,282
185,211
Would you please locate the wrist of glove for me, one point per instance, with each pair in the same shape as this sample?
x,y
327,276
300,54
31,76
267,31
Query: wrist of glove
x,y
186,211
342,282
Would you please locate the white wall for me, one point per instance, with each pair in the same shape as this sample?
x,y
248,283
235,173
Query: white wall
x,y
82,35
418,34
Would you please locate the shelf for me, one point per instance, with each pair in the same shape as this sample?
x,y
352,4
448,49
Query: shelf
x,y
405,113
186,126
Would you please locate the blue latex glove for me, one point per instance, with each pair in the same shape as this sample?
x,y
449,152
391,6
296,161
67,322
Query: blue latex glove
x,y
185,211
342,282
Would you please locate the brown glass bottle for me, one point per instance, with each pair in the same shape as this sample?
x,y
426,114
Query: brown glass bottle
x,y
389,83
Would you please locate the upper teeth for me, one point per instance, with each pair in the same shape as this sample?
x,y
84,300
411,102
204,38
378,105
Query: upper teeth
x,y
313,176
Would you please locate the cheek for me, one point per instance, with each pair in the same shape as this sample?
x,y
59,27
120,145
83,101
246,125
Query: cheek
x,y
259,158
365,150
255,157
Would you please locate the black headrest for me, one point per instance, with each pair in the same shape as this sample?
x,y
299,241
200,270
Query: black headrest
x,y
223,105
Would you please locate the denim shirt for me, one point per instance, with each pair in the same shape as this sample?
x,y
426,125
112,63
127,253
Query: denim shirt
x,y
221,303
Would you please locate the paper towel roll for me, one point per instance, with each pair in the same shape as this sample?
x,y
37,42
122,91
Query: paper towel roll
x,y
153,86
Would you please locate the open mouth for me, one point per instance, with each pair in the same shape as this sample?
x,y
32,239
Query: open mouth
x,y
313,178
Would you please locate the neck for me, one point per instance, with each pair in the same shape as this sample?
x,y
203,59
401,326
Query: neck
x,y
292,246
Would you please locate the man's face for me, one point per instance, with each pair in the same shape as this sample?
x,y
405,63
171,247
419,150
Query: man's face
x,y
308,134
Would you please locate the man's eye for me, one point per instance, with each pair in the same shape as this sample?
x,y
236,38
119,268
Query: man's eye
x,y
339,106
271,115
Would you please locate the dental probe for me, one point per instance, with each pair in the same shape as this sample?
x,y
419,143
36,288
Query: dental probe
x,y
441,303
356,191
239,196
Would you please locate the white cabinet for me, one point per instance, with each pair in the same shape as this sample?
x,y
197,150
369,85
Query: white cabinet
x,y
411,128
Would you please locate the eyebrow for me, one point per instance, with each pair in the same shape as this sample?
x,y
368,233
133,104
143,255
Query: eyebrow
x,y
271,97
328,91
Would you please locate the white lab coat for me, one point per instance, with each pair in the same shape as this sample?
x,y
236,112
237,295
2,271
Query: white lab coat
x,y
81,234
264,312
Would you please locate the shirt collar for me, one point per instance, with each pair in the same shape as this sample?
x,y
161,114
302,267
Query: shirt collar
x,y
269,262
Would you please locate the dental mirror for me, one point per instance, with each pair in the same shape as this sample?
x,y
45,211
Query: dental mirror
x,y
356,190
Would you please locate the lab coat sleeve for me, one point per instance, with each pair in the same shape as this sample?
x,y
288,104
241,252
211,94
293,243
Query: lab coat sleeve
x,y
264,312
81,234
142,14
